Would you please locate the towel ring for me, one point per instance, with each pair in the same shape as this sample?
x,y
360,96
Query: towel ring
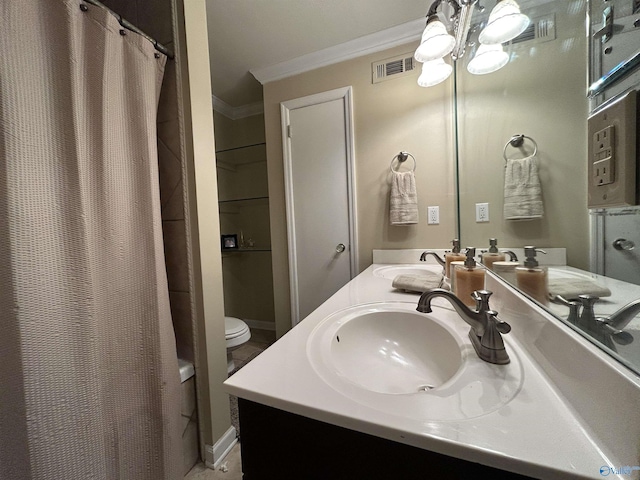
x,y
402,157
516,142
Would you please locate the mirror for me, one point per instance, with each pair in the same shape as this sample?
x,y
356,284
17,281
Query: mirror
x,y
541,93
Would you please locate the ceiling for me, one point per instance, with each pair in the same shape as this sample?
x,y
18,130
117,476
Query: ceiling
x,y
252,34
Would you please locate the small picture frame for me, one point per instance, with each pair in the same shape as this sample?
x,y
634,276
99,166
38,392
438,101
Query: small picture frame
x,y
229,242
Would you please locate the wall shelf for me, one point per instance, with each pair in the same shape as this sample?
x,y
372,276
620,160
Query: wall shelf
x,y
247,250
247,200
241,148
243,203
233,158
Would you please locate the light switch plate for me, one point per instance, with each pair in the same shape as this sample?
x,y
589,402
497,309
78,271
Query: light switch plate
x,y
612,136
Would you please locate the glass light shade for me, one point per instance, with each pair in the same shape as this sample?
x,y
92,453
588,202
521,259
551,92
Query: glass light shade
x,y
505,23
434,72
488,59
436,42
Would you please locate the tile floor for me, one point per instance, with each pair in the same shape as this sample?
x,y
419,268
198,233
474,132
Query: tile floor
x,y
231,467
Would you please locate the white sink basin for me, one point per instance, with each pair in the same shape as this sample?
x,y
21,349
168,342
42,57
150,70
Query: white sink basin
x,y
395,352
392,358
393,271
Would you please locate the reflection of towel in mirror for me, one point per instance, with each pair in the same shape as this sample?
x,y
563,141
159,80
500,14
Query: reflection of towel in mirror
x,y
570,288
420,283
522,191
403,201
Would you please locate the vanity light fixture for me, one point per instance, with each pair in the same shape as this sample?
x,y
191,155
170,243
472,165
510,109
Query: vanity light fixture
x,y
434,72
505,23
436,42
488,59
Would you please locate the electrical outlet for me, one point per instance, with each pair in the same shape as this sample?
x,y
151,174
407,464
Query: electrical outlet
x,y
433,215
603,172
612,154
482,212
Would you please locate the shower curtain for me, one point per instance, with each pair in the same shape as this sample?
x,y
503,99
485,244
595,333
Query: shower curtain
x,y
89,383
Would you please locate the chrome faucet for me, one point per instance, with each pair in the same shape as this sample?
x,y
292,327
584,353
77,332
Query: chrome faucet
x,y
512,256
609,329
485,325
423,257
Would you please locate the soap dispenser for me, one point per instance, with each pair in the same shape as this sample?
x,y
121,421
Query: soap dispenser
x,y
454,256
493,255
469,277
532,278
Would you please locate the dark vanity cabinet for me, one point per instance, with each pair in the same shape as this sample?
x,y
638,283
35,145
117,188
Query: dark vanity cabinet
x,y
281,445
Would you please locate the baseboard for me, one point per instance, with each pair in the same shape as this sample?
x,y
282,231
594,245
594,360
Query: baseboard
x,y
260,324
215,454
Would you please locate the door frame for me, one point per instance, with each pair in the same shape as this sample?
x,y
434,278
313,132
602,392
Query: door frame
x,y
346,94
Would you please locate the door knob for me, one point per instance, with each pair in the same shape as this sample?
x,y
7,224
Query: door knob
x,y
623,244
340,248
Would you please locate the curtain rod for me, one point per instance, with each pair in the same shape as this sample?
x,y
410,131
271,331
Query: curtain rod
x,y
129,26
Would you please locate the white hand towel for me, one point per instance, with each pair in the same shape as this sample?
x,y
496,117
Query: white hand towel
x,y
420,283
403,201
570,288
522,191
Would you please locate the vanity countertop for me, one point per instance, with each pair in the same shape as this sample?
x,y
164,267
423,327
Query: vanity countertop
x,y
536,432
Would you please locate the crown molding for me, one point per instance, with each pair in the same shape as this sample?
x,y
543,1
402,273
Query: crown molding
x,y
375,42
236,113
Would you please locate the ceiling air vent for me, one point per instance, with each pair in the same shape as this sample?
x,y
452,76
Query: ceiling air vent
x,y
395,67
541,29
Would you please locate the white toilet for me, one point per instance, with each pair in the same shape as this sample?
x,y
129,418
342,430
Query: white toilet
x,y
236,333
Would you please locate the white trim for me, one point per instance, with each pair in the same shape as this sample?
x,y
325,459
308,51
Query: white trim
x,y
351,183
345,94
375,42
596,239
291,234
215,454
236,113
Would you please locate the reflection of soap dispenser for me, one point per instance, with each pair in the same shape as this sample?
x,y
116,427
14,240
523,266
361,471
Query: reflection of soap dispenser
x,y
507,269
532,278
468,278
493,255
454,256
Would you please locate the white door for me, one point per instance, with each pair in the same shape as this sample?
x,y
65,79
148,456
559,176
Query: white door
x,y
318,161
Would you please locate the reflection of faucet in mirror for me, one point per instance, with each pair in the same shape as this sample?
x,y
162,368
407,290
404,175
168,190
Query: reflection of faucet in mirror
x,y
485,325
512,256
573,307
563,168
607,329
423,257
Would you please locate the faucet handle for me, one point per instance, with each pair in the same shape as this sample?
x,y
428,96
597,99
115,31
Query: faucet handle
x,y
587,318
482,299
573,307
501,325
619,336
588,300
